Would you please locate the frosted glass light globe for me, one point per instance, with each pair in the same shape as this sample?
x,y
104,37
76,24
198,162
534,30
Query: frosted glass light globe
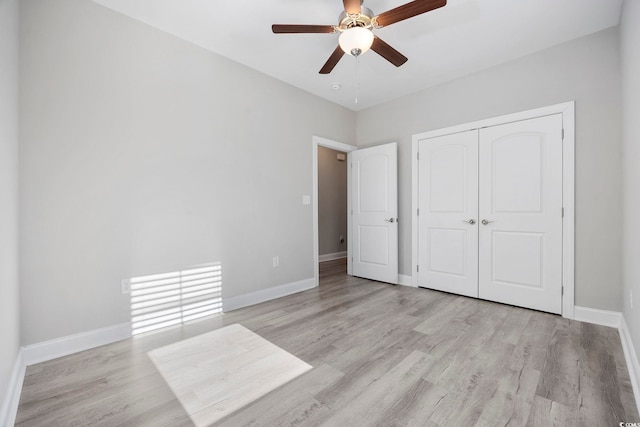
x,y
356,41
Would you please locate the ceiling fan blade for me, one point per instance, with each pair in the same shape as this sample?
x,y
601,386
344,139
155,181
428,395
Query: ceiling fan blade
x,y
408,10
387,52
332,61
296,29
351,6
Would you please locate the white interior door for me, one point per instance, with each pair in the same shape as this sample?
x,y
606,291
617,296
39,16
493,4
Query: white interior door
x,y
520,255
374,205
448,213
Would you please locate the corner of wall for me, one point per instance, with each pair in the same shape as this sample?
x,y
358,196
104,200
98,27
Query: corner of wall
x,y
9,406
631,357
629,37
11,366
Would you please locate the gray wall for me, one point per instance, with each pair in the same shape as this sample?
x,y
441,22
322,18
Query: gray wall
x,y
630,56
9,292
585,70
332,202
142,153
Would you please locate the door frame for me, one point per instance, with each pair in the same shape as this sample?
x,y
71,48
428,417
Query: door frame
x,y
567,109
317,141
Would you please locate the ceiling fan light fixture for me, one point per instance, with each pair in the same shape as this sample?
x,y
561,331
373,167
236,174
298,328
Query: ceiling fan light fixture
x,y
356,41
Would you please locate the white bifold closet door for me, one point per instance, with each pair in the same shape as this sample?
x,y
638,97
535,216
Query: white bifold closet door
x,y
501,186
448,231
521,202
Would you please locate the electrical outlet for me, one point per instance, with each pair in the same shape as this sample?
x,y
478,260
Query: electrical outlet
x,y
125,285
276,261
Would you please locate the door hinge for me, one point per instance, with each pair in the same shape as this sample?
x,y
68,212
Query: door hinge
x,y
562,291
563,134
351,211
562,212
418,155
418,268
418,211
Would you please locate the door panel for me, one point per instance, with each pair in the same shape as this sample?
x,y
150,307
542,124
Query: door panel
x,y
448,188
374,243
520,252
442,244
517,173
375,212
448,178
524,250
373,174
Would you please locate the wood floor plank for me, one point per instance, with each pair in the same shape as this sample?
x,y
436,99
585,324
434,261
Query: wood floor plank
x,y
513,325
371,404
360,375
547,413
381,354
561,370
414,407
293,400
532,347
511,401
458,409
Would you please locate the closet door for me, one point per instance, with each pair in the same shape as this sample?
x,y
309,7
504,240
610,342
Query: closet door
x,y
448,215
520,230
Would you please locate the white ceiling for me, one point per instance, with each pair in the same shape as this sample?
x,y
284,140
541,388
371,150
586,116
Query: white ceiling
x,y
463,37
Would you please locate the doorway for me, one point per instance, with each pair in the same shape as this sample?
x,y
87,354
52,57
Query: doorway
x,y
338,147
332,209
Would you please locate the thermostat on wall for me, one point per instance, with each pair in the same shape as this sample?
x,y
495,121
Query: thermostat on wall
x,y
341,157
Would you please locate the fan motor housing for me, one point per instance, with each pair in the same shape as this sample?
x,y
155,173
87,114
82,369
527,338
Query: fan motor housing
x,y
362,19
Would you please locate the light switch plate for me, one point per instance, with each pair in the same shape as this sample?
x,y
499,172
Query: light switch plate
x,y
306,200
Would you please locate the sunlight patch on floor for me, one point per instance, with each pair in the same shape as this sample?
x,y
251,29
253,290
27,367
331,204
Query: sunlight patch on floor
x,y
217,373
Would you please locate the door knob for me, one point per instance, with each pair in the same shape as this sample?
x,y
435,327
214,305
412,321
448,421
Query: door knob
x,y
485,222
469,221
390,220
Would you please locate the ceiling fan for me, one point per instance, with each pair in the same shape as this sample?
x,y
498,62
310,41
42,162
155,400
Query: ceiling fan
x,y
355,26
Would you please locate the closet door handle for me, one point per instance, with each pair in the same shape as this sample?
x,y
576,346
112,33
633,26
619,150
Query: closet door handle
x,y
485,222
469,221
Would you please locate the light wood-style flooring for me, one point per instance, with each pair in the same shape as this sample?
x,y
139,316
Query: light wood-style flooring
x,y
382,355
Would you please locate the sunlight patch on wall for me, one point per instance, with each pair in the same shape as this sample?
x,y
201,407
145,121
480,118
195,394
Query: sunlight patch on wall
x,y
168,299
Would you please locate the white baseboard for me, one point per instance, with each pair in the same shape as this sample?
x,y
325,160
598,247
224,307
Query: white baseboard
x,y
9,407
631,357
257,297
612,319
405,280
64,346
615,319
331,257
